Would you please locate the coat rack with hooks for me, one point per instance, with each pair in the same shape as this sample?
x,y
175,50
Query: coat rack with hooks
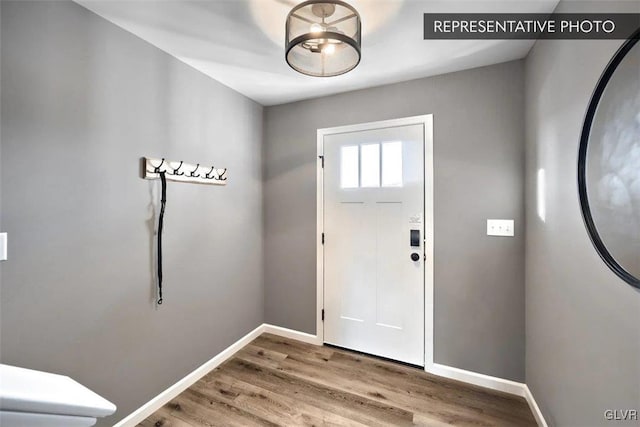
x,y
166,170
184,172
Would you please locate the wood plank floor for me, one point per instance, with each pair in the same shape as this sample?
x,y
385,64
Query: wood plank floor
x,y
278,381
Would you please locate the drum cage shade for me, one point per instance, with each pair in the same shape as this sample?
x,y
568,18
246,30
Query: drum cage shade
x,y
323,38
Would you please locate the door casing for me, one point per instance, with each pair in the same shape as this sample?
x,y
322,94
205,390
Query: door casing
x,y
427,122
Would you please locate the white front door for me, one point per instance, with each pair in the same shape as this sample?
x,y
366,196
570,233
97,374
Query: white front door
x,y
373,188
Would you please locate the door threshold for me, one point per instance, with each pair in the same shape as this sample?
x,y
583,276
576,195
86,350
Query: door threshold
x,y
386,359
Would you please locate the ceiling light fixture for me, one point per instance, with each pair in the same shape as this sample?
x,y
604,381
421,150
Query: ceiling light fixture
x,y
323,38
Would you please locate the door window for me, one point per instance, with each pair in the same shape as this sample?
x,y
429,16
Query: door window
x,y
366,166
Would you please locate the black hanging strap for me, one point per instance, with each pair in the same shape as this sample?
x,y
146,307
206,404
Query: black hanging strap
x,y
163,201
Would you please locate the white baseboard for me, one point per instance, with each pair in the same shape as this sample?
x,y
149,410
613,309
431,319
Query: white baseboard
x,y
537,413
163,398
470,377
494,383
293,334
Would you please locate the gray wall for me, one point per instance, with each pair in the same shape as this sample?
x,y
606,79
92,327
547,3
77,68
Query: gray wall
x,y
583,339
478,161
82,101
1,229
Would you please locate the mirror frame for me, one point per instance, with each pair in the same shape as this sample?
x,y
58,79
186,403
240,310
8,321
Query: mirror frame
x,y
582,161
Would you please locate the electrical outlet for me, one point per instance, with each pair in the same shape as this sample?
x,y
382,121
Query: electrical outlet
x,y
3,246
500,227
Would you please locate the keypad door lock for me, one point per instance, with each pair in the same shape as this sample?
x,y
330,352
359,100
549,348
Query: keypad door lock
x,y
414,238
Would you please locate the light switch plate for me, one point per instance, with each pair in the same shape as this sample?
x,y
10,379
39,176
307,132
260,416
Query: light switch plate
x,y
3,246
500,227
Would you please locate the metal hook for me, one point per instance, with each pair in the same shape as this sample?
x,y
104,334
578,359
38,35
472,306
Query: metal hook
x,y
175,171
221,176
157,169
210,172
192,172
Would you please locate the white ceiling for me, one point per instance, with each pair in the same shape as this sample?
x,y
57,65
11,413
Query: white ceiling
x,y
241,42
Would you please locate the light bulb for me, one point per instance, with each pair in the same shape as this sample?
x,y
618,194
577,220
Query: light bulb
x,y
328,49
316,28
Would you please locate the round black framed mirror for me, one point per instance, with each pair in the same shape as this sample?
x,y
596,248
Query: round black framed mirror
x,y
609,164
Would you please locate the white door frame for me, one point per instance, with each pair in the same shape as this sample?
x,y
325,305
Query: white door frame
x,y
427,122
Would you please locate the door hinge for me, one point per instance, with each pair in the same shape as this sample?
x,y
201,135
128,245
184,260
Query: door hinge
x,y
321,161
323,314
323,238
